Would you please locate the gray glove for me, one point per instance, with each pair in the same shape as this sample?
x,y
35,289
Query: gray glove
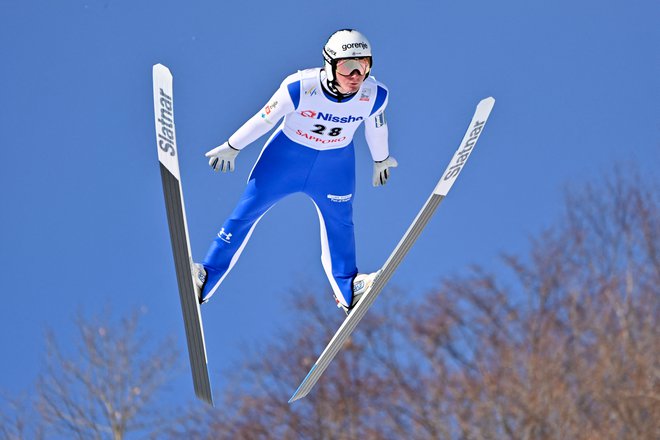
x,y
222,157
381,173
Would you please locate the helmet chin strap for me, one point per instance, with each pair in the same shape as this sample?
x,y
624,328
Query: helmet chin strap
x,y
331,86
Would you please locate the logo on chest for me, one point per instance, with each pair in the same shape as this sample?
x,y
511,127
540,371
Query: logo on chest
x,y
365,95
330,117
311,91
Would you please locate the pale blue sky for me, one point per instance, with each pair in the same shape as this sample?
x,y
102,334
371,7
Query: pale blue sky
x,y
83,221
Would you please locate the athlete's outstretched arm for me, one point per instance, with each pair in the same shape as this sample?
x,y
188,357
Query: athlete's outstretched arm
x,y
377,135
375,126
279,105
261,123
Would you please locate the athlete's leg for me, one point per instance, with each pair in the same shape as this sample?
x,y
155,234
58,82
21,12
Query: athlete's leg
x,y
331,185
277,173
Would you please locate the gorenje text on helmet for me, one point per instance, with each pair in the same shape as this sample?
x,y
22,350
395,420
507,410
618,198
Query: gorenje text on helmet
x,y
364,46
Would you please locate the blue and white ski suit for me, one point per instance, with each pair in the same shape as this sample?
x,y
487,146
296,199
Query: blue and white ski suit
x,y
310,152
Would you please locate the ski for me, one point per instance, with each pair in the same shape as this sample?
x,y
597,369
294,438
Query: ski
x,y
176,218
439,193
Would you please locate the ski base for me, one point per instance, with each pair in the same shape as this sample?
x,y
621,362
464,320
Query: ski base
x,y
176,218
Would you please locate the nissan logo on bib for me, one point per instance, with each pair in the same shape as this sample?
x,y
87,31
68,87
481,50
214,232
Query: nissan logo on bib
x,y
330,117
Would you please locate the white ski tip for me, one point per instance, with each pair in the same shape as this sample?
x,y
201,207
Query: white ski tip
x,y
466,146
485,106
161,68
164,119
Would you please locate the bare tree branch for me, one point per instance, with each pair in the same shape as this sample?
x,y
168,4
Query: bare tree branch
x,y
567,348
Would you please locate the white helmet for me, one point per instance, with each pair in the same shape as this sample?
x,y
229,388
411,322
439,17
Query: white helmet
x,y
345,43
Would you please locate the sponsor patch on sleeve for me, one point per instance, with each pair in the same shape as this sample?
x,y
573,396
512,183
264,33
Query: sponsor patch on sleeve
x,y
267,110
380,119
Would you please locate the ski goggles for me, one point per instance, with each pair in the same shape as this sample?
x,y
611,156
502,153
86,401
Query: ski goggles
x,y
347,66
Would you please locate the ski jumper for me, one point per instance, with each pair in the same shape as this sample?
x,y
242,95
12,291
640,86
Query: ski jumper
x,y
311,152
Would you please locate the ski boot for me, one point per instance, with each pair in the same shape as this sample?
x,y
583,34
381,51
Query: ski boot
x,y
361,284
199,278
